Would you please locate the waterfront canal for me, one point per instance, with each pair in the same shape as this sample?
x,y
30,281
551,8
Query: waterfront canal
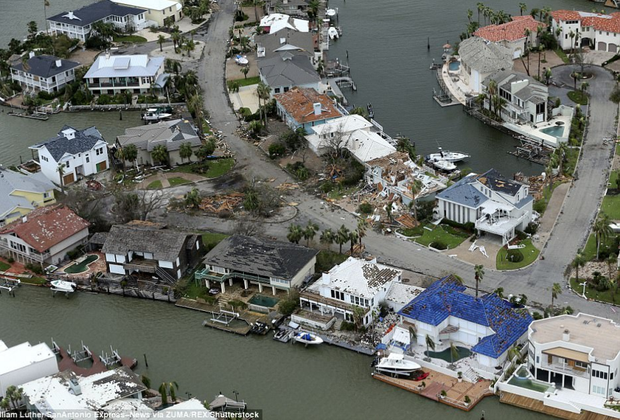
x,y
287,381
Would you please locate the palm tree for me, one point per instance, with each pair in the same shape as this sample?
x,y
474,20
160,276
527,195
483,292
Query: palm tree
x,y
430,345
46,4
264,92
245,70
362,227
192,198
61,173
413,333
295,233
454,353
5,404
160,154
172,66
342,236
470,13
556,290
168,388
522,8
612,261
578,261
185,151
160,40
130,153
478,275
309,232
480,8
602,231
176,38
353,237
328,237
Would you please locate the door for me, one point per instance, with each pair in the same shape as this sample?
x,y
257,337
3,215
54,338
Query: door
x,y
68,179
102,166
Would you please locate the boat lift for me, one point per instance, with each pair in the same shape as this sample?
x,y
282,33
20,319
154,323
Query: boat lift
x,y
109,360
80,356
9,285
224,317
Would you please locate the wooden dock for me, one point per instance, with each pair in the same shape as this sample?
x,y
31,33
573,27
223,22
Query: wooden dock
x,y
66,363
535,405
243,323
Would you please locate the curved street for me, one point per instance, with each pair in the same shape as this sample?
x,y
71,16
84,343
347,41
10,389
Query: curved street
x,y
572,225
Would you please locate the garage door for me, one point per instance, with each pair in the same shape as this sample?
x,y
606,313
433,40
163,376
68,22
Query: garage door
x,y
102,166
68,179
602,46
612,48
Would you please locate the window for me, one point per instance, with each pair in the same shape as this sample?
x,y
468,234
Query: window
x,y
68,164
99,151
87,159
276,90
581,365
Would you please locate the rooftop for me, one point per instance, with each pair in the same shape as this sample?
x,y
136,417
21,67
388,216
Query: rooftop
x,y
288,69
368,145
11,182
45,65
171,133
463,193
484,57
165,245
299,104
344,124
94,12
22,355
599,336
598,21
287,39
496,182
46,226
253,255
140,65
71,141
279,21
446,298
150,4
510,31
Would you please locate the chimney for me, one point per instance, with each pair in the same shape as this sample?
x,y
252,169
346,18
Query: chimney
x,y
317,108
59,63
31,54
107,55
566,335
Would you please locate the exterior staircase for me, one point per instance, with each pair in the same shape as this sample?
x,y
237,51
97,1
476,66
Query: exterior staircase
x,y
471,375
163,274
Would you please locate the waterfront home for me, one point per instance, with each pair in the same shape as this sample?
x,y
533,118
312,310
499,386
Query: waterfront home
x,y
156,11
78,24
24,363
265,263
72,154
112,74
43,73
112,394
276,22
146,248
494,204
295,8
305,108
288,69
599,32
270,45
514,34
355,283
395,174
526,98
44,236
22,193
489,326
171,134
480,59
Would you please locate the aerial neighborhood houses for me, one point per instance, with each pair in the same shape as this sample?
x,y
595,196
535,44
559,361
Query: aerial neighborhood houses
x,y
516,35
22,193
43,73
598,31
158,12
112,74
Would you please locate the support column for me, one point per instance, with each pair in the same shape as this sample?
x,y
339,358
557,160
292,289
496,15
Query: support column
x,y
260,287
230,280
245,284
208,284
273,290
223,284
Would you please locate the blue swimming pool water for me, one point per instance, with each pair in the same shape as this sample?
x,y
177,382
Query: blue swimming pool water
x,y
555,131
454,65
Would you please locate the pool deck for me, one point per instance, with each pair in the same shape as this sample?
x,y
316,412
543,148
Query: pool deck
x,y
96,266
437,382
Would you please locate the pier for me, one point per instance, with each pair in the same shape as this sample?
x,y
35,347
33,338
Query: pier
x,y
70,361
35,116
10,285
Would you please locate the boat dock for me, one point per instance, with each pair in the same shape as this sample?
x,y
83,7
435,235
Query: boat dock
x,y
532,151
34,116
234,322
70,361
10,285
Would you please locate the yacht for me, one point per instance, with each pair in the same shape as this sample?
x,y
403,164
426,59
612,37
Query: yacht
x,y
397,364
307,338
63,286
449,156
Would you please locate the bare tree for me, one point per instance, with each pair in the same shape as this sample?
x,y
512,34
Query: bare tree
x,y
248,227
335,141
139,205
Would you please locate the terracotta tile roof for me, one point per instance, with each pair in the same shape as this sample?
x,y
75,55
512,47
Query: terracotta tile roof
x,y
510,31
599,22
46,227
299,104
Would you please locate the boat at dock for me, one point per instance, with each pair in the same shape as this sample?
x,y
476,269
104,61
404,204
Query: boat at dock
x,y
449,156
34,116
307,338
397,364
283,335
155,115
443,165
63,286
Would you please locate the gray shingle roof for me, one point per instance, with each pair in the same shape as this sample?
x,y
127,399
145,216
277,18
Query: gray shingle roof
x,y
45,66
483,56
463,193
165,245
497,182
171,133
94,12
286,69
83,141
261,257
284,40
534,92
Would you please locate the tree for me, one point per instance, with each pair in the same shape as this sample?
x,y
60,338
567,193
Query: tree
x,y
602,231
264,92
46,4
556,290
5,404
205,150
130,153
342,236
295,233
159,154
353,237
176,38
245,70
138,205
480,8
362,227
192,198
61,172
168,388
309,232
430,345
313,9
413,333
32,29
185,151
416,188
478,275
328,237
160,40
522,8
578,261
612,261
454,353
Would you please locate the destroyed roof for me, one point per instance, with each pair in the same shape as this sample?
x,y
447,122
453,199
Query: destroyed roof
x,y
496,182
46,226
253,255
165,245
299,104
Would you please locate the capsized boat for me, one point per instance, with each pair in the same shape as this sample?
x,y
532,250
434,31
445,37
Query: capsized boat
x,y
63,286
449,156
307,338
397,364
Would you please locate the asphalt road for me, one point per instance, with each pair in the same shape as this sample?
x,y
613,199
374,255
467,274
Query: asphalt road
x,y
569,235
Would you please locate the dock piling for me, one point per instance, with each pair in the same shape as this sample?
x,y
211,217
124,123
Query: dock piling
x,y
146,362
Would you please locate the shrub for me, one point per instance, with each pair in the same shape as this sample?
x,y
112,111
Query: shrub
x,y
326,187
365,208
347,326
237,304
104,99
531,228
467,399
35,268
537,316
438,245
521,235
11,260
514,255
288,306
200,168
276,150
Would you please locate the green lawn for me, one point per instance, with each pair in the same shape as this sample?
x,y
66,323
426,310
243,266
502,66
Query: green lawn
x,y
562,55
589,252
445,234
339,192
177,181
578,97
210,239
541,205
155,185
591,293
571,161
618,149
611,206
326,259
613,177
4,266
530,253
33,280
247,82
217,167
130,38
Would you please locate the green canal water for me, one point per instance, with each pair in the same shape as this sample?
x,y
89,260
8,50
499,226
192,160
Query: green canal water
x,y
287,381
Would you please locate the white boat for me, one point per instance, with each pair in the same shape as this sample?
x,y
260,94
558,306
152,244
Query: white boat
x,y
331,12
241,60
63,286
396,363
449,156
333,33
307,338
153,114
443,165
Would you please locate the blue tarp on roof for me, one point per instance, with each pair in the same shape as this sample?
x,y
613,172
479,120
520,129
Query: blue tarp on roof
x,y
445,298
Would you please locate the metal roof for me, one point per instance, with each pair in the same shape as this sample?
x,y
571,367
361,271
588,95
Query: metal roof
x,y
124,66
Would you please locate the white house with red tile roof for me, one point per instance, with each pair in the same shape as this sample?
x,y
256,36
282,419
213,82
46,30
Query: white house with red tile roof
x,y
44,236
512,35
598,31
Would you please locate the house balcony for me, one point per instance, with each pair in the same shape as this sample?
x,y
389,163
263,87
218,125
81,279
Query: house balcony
x,y
206,274
316,299
143,266
566,369
39,257
113,84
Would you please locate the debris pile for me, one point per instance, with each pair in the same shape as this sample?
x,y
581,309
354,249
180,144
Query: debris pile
x,y
221,203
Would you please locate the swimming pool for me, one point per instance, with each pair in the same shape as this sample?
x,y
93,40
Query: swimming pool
x,y
454,65
555,131
445,354
261,300
531,384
